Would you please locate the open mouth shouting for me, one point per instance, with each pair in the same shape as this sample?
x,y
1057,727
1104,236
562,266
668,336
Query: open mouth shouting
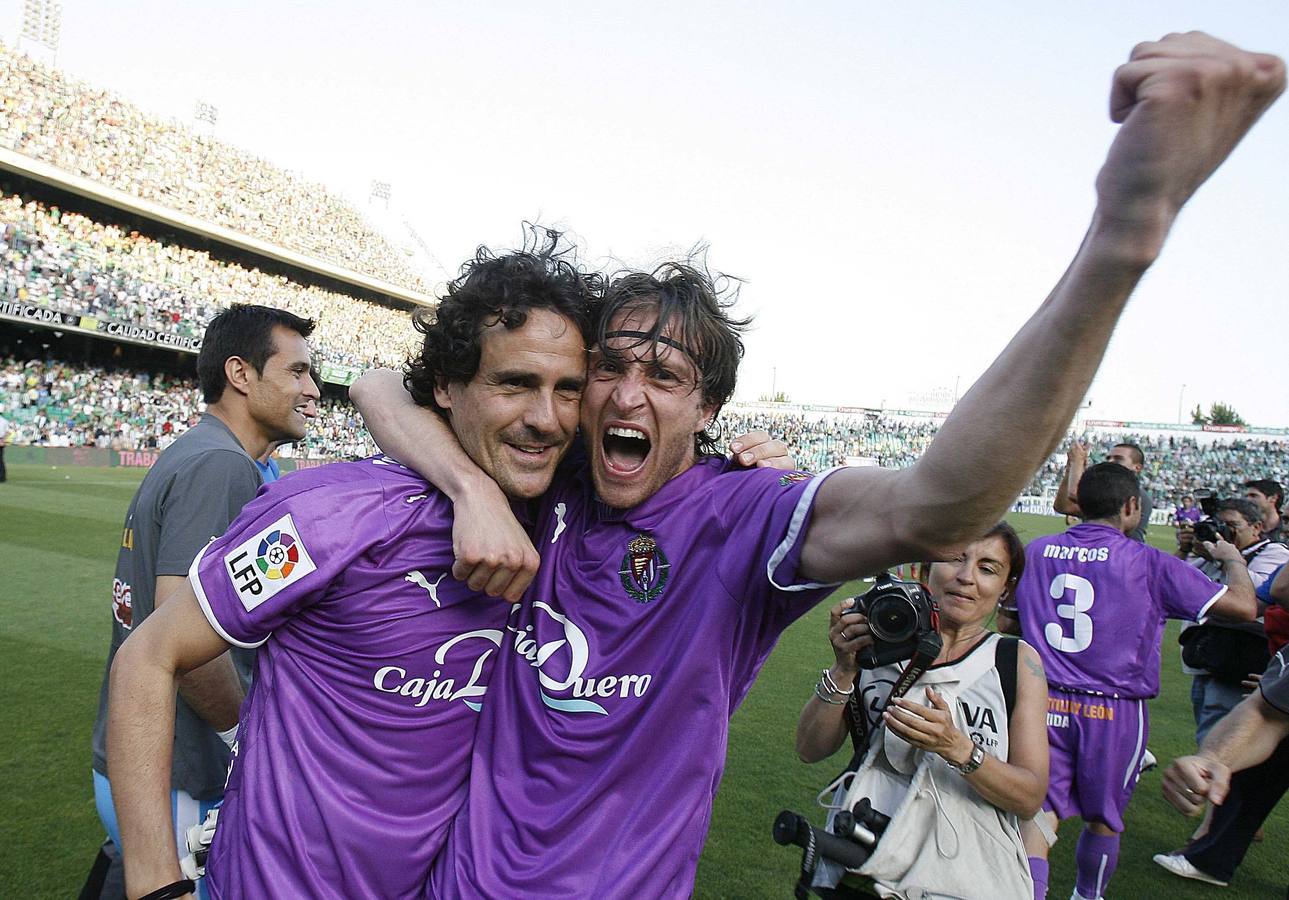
x,y
626,449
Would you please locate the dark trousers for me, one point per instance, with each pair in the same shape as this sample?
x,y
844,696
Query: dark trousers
x,y
2,472
1254,793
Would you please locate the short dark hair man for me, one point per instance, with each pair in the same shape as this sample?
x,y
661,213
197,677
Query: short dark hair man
x,y
254,373
1126,454
1093,603
666,579
1268,496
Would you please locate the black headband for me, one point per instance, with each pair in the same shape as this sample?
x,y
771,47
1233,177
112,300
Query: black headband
x,y
661,339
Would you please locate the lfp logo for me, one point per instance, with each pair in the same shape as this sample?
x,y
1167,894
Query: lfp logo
x,y
278,554
267,562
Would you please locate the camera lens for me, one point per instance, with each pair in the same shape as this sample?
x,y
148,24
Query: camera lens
x,y
892,619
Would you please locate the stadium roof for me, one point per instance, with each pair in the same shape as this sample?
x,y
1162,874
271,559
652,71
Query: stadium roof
x,y
29,167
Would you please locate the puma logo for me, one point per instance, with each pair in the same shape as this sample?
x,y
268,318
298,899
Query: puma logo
x,y
418,579
560,509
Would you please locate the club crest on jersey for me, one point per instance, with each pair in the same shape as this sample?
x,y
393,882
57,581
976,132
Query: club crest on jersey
x,y
122,603
794,477
265,563
644,569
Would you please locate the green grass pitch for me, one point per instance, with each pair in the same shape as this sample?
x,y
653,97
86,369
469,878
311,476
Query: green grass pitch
x,y
58,536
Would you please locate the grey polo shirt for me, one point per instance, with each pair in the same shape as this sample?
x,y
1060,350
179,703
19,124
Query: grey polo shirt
x,y
193,491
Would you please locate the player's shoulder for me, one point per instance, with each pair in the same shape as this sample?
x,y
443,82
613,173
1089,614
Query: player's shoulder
x,y
373,476
718,473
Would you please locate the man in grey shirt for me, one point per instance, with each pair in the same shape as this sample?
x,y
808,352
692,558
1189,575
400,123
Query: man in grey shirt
x,y
255,377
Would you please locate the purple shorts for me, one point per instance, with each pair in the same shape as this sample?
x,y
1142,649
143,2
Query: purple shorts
x,y
1096,746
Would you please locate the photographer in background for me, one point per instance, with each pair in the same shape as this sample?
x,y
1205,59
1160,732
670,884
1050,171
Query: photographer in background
x,y
994,735
1267,496
1221,655
1127,455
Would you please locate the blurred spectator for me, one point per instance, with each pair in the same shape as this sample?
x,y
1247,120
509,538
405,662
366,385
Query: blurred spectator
x,y
1268,496
1188,513
99,135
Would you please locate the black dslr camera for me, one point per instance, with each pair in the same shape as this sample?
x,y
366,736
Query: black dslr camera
x,y
1210,528
899,614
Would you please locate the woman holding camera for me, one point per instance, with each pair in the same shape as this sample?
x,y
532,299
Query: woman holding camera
x,y
996,738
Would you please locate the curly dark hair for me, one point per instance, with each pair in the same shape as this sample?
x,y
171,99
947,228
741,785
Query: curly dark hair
x,y
491,289
693,307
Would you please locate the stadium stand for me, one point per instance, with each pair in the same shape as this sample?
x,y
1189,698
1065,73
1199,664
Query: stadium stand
x,y
99,135
55,403
1176,465
65,261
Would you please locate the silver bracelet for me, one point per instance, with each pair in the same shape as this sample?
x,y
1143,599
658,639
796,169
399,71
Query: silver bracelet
x,y
826,680
819,692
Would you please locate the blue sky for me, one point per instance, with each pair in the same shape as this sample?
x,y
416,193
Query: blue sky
x,y
899,185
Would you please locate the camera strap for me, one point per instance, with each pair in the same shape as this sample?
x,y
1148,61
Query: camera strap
x,y
928,648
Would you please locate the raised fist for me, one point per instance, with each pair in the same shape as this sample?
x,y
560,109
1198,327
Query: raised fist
x,y
1184,103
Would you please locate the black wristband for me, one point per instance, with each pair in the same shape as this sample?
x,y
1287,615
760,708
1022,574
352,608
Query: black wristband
x,y
172,890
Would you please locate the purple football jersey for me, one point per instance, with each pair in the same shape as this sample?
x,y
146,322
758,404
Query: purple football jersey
x,y
1093,603
355,737
603,740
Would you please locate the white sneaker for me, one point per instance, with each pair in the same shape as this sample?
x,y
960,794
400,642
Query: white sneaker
x,y
1180,865
1148,762
1077,896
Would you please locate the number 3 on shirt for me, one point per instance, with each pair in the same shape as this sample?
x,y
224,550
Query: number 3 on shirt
x,y
1075,613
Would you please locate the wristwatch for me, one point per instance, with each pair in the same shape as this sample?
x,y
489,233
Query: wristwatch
x,y
973,762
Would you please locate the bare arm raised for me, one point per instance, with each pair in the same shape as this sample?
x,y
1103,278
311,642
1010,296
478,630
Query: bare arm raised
x,y
1184,103
1076,461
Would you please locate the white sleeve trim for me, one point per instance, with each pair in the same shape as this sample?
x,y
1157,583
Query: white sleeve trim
x,y
195,580
794,533
1203,613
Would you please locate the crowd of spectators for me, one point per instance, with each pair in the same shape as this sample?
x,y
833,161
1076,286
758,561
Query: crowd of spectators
x,y
820,443
1176,466
99,135
66,261
53,403
56,404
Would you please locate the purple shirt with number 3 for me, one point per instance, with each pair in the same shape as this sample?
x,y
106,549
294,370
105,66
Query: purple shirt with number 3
x,y
1093,603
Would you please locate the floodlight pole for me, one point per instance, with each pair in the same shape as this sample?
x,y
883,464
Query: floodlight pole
x,y
42,23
